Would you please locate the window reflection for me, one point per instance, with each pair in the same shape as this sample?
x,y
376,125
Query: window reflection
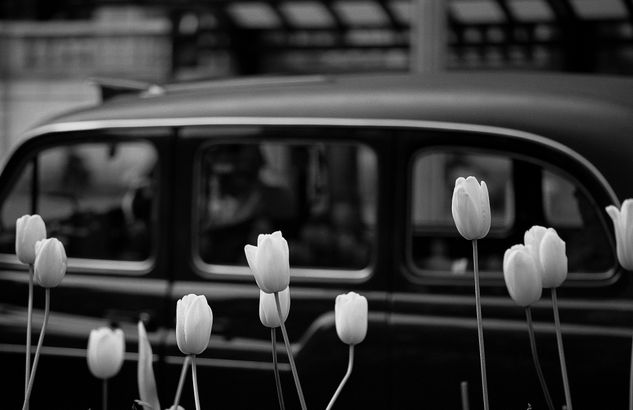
x,y
321,196
97,198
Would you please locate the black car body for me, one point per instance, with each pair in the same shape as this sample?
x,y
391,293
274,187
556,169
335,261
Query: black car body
x,y
148,194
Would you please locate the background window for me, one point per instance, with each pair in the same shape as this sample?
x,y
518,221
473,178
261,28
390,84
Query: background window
x,y
546,197
321,196
97,198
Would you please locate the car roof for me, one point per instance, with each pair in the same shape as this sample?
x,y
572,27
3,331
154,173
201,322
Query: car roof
x,y
592,115
512,100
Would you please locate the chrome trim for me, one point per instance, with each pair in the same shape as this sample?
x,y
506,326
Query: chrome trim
x,y
229,363
81,265
319,121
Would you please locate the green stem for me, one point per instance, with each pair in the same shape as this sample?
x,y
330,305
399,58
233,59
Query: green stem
x,y
537,362
295,375
480,329
104,394
194,378
29,321
350,364
181,382
47,304
561,350
280,395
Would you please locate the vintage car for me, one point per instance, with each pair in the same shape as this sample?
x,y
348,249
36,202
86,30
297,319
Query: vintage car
x,y
155,193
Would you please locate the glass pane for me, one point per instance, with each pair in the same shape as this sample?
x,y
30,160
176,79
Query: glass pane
x,y
321,196
547,197
97,198
434,176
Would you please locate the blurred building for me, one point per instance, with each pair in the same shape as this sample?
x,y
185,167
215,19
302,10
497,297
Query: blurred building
x,y
49,48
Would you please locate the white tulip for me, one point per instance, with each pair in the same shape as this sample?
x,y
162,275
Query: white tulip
x,y
194,319
268,308
50,262
521,275
548,250
269,262
106,348
350,316
623,226
471,208
28,230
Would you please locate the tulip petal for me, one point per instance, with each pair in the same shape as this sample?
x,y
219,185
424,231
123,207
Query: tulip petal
x,y
626,229
180,323
485,209
553,259
251,258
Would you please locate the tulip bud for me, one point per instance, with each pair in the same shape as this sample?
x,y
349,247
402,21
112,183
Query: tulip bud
x,y
28,230
521,275
194,320
269,262
268,308
350,315
106,348
623,226
50,262
471,208
548,250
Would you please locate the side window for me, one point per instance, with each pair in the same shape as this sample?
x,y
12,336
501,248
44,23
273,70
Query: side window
x,y
523,193
97,198
321,196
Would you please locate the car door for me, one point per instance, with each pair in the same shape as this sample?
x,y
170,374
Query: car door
x,y
104,195
320,186
531,181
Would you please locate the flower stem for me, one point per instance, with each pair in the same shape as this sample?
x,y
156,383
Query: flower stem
x,y
181,382
537,362
347,374
561,350
280,395
464,393
194,378
47,305
104,394
480,329
29,321
289,351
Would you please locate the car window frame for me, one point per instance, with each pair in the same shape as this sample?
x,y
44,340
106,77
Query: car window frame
x,y
313,274
575,279
46,138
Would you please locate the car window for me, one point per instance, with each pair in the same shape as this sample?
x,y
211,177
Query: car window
x,y
321,196
97,198
523,192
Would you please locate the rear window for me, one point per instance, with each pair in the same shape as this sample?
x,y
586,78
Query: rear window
x,y
523,192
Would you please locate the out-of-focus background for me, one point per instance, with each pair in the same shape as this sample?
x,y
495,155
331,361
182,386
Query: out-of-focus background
x,y
49,50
